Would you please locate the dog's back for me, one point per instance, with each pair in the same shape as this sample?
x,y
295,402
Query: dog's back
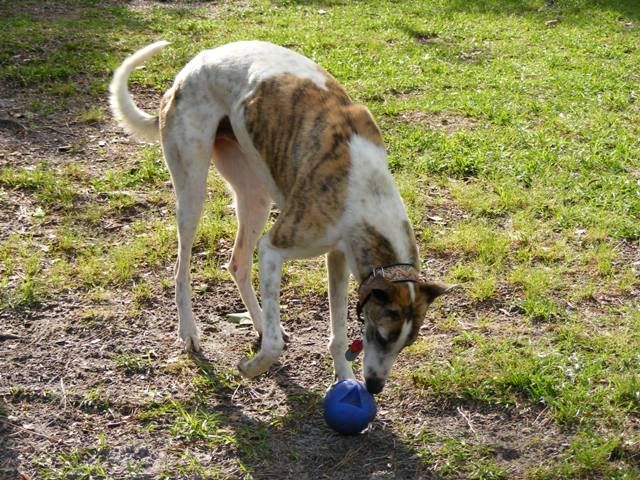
x,y
231,72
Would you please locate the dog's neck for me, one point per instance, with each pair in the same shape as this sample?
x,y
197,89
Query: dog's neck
x,y
371,248
379,232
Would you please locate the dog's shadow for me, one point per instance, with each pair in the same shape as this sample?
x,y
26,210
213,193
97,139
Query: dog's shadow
x,y
8,451
300,445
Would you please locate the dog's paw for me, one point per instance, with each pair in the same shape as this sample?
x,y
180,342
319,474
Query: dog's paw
x,y
191,343
252,367
344,372
190,338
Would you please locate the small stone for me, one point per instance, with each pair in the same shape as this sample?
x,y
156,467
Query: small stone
x,y
238,318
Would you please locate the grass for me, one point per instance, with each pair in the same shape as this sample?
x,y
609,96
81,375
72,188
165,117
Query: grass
x,y
133,363
459,458
584,379
83,464
590,456
48,187
528,196
196,425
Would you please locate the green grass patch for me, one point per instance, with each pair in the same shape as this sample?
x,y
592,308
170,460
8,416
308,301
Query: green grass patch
x,y
49,188
92,115
21,274
582,377
148,170
477,240
132,363
82,463
479,282
591,456
94,401
458,458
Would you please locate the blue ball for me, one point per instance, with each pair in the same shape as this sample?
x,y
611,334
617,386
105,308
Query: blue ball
x,y
349,407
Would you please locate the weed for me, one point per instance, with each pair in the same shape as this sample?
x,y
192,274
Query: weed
x,y
94,401
540,309
133,363
190,422
83,463
91,115
142,293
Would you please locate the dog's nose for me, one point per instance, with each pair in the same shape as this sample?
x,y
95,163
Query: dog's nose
x,y
374,385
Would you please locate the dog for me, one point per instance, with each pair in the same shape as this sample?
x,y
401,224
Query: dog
x,y
281,129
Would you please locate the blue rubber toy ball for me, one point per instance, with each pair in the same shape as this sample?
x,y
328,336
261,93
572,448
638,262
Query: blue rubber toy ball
x,y
349,407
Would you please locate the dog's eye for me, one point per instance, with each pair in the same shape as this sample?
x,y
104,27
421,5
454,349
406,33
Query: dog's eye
x,y
392,313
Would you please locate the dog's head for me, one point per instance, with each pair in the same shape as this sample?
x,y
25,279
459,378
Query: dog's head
x,y
393,313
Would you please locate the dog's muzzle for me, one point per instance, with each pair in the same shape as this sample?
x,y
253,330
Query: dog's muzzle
x,y
374,385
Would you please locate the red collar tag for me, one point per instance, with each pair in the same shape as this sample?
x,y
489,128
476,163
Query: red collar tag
x,y
354,349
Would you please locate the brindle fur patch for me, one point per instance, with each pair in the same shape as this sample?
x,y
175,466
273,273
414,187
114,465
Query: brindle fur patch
x,y
302,133
372,248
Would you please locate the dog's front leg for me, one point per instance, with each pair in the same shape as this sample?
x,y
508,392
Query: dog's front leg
x,y
338,291
271,259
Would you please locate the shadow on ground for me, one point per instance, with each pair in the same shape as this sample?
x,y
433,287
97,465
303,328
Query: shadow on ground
x,y
270,451
8,456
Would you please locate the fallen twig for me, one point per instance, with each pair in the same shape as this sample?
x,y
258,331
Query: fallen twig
x,y
464,415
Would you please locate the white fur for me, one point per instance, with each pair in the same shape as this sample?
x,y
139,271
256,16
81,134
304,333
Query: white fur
x,y
378,365
246,64
338,288
412,291
134,120
383,207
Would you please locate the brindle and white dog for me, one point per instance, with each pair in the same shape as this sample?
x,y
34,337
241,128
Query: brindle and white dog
x,y
280,128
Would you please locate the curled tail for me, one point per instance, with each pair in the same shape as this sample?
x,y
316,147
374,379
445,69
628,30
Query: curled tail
x,y
133,120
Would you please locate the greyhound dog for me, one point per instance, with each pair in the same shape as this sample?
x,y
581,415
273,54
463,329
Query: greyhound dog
x,y
281,129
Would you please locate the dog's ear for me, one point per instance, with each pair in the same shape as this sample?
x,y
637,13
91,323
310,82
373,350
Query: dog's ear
x,y
432,290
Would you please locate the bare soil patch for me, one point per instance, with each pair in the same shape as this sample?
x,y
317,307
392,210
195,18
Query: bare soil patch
x,y
55,360
441,121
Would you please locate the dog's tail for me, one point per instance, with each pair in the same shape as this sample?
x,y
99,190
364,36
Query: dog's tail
x,y
135,121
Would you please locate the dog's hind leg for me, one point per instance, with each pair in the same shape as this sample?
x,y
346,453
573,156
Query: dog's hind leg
x,y
252,202
187,146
